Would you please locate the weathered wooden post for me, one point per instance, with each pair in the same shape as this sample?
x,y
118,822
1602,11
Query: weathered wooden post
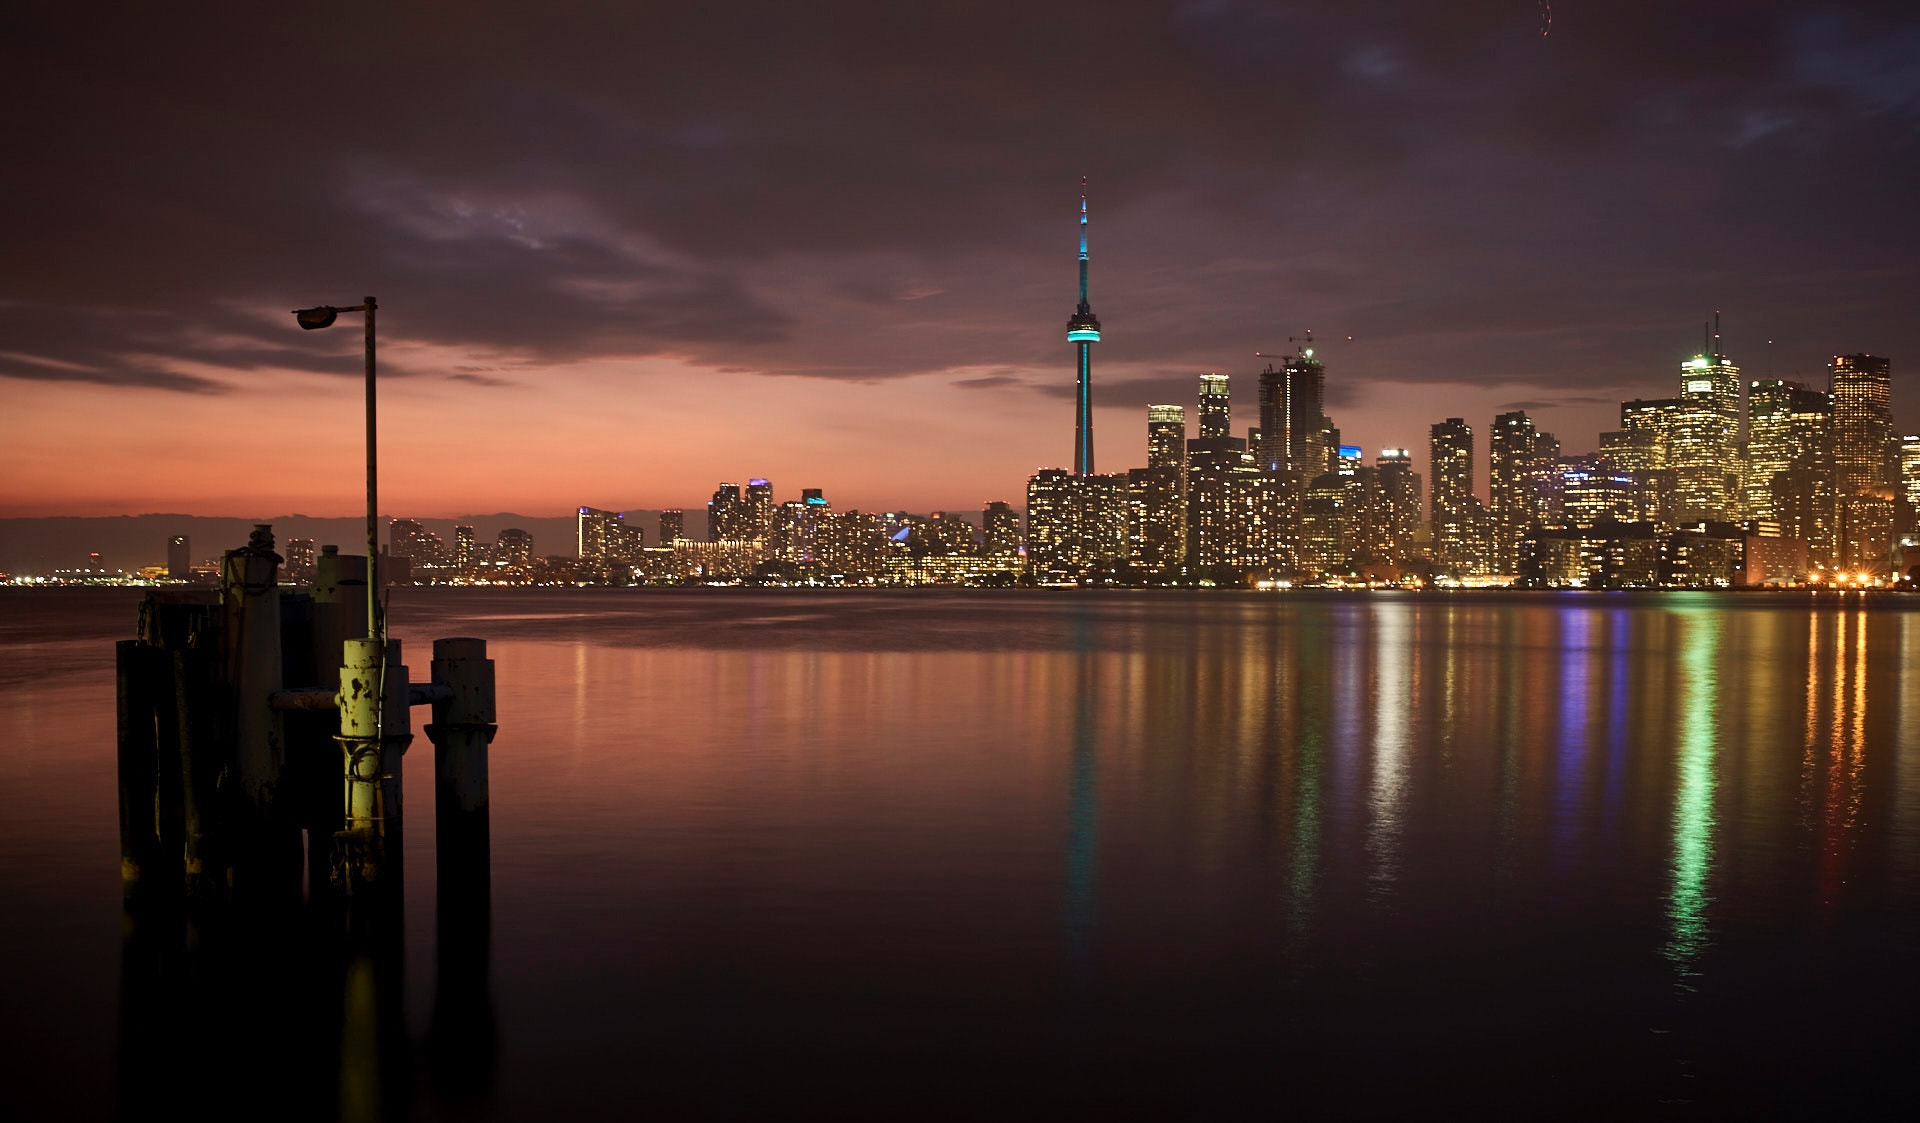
x,y
461,1042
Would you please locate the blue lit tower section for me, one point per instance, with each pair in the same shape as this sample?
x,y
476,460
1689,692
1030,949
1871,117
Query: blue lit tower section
x,y
1083,330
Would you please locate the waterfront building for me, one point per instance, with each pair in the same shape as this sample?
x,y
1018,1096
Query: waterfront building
x,y
757,510
1000,535
407,539
1866,523
465,554
514,547
1590,490
1605,555
1863,439
726,515
600,536
673,526
179,557
1074,523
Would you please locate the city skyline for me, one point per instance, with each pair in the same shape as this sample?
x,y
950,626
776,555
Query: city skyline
x,y
622,276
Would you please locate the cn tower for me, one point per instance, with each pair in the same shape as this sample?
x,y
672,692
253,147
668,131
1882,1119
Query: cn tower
x,y
1083,330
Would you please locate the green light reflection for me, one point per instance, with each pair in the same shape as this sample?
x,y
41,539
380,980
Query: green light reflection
x,y
1693,821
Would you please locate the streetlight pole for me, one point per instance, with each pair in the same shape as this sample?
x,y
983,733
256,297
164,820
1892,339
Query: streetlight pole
x,y
373,493
320,317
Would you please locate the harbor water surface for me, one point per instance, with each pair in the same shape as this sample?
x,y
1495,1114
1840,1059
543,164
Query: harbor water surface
x,y
1002,855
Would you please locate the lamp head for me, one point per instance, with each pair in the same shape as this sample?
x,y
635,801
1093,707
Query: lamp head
x,y
311,318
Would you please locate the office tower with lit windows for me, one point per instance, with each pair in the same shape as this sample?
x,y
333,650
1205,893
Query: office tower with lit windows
x,y
1083,331
757,513
1000,534
600,536
514,547
465,556
1863,437
1157,494
408,539
1216,407
1295,435
1166,437
179,557
1703,448
1400,499
726,514
1051,524
673,526
301,559
1866,525
1589,490
1460,524
1785,423
1520,460
1910,472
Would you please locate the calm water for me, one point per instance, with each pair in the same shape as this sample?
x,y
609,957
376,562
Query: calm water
x,y
1157,855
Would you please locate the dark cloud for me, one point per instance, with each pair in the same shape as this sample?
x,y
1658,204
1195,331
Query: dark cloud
x,y
867,191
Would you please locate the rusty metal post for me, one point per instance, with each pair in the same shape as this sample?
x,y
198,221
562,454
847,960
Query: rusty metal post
x,y
373,735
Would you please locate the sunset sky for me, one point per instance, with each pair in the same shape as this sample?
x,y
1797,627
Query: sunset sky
x,y
626,251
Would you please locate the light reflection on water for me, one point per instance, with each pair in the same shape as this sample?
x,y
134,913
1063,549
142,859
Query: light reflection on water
x,y
1151,852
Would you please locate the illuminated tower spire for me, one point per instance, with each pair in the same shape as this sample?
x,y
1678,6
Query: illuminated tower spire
x,y
1083,330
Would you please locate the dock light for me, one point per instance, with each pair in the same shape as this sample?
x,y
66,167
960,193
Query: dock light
x,y
320,317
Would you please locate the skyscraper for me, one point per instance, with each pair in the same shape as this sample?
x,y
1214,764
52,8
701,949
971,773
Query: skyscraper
x,y
1295,435
673,526
1166,437
1216,407
757,517
1458,518
726,514
1863,444
1705,435
1157,494
1400,495
464,555
1083,331
1519,460
1784,422
599,535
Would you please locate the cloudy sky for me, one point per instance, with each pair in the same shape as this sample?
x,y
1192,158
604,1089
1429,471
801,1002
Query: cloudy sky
x,y
626,251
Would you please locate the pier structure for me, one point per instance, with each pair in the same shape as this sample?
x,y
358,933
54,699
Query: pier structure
x,y
252,719
254,713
